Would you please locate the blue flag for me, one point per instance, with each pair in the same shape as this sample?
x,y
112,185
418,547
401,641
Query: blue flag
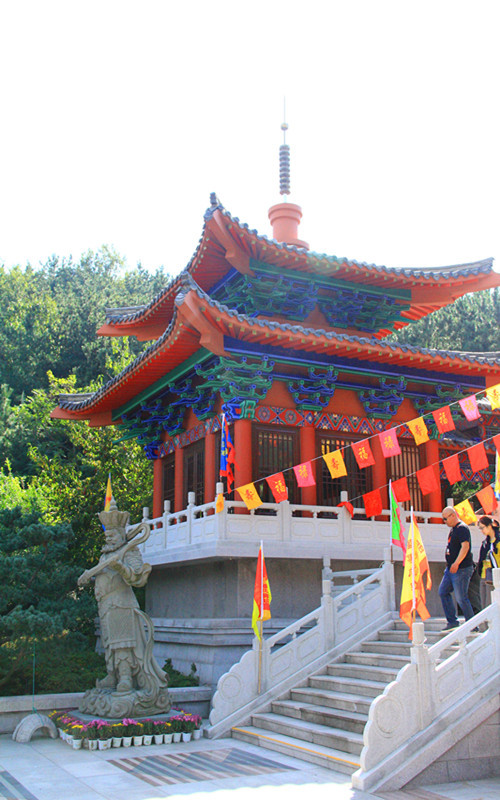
x,y
226,454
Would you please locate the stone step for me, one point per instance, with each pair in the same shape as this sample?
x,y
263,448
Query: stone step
x,y
366,687
344,701
327,757
365,672
387,648
377,660
321,715
432,624
402,636
347,741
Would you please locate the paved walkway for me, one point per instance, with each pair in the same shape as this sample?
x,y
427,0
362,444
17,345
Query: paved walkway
x,y
47,769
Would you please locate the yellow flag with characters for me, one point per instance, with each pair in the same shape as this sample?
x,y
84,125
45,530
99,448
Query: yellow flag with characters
x,y
335,463
249,495
465,512
413,591
493,395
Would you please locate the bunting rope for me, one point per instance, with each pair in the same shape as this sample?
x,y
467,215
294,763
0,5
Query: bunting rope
x,y
444,421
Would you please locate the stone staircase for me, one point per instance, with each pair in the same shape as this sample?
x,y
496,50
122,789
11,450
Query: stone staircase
x,y
323,720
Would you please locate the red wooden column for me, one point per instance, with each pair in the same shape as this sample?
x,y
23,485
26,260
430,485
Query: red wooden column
x,y
243,453
210,477
308,453
379,473
157,487
180,501
435,499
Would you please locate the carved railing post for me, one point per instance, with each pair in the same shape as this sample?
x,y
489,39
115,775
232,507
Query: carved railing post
x,y
389,580
166,513
189,515
425,676
285,520
327,604
221,517
344,520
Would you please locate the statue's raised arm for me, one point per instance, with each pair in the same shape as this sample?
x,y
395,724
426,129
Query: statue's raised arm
x,y
134,684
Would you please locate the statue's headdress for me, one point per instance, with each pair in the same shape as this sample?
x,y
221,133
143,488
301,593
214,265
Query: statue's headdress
x,y
114,518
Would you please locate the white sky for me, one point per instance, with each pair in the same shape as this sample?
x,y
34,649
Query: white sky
x,y
119,118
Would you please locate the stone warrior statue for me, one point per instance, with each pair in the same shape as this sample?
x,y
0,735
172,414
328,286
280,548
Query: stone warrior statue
x,y
135,685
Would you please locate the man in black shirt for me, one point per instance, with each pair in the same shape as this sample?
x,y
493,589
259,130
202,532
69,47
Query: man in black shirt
x,y
459,569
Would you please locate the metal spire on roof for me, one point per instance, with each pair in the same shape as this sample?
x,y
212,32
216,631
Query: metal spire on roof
x,y
284,157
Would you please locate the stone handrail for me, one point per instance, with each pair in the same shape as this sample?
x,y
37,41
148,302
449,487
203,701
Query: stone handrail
x,y
431,695
316,529
303,647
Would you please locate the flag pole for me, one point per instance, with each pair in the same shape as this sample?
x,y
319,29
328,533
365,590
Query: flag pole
x,y
414,604
261,609
390,519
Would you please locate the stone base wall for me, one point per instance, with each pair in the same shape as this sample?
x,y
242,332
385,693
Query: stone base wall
x,y
475,756
213,645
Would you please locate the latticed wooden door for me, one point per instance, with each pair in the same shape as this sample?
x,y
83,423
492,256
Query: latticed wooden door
x,y
194,470
275,450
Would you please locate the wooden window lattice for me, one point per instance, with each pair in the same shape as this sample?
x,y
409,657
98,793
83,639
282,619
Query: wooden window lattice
x,y
355,483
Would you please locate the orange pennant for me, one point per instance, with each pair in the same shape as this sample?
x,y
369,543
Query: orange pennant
x,y
219,503
335,463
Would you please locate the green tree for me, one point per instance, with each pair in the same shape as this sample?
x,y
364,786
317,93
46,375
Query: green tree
x,y
471,324
39,602
49,317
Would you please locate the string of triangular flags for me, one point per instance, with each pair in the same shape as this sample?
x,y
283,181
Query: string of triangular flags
x,y
426,477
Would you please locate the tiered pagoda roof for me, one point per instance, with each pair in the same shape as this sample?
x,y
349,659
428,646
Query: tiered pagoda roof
x,y
243,293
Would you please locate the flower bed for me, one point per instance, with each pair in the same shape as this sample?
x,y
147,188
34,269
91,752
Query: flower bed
x,y
101,734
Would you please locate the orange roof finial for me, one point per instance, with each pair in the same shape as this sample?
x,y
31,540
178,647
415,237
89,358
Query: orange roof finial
x,y
285,217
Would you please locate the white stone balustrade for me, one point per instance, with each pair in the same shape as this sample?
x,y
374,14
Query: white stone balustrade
x,y
434,702
303,647
286,529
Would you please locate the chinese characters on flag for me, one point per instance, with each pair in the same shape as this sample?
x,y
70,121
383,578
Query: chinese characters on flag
x,y
363,454
335,463
304,474
278,487
249,495
465,512
389,443
493,395
469,407
443,419
419,430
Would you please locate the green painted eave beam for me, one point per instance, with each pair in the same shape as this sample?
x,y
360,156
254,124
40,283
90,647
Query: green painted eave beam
x,y
385,291
197,358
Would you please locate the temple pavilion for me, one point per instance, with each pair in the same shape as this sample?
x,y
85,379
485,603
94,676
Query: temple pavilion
x,y
291,345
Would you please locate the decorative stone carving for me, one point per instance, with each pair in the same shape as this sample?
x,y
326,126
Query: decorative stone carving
x,y
135,685
30,724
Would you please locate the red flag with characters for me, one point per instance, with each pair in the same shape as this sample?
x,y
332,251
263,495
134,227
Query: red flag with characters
x,y
277,485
